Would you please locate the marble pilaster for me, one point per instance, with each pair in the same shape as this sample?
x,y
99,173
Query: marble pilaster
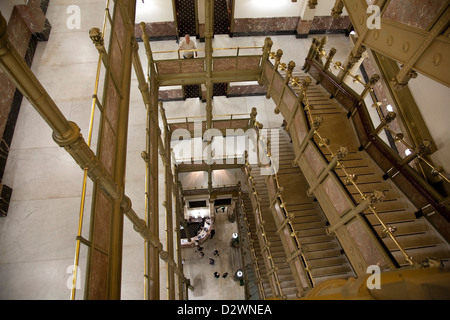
x,y
27,25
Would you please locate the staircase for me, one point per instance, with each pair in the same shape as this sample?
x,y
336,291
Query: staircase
x,y
322,252
251,285
258,252
284,272
415,234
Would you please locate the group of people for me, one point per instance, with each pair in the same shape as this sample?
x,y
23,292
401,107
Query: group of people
x,y
199,249
217,275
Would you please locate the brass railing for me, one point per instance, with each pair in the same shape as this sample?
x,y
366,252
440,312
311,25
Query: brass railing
x,y
368,200
238,51
385,120
413,153
252,250
206,63
217,117
288,216
350,178
262,235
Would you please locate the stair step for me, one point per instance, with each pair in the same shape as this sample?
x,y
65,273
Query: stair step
x,y
310,232
328,271
321,246
389,217
307,219
404,228
439,252
312,255
328,262
316,239
319,280
412,241
308,225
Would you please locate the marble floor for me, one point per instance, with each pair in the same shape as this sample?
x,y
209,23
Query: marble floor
x,y
37,238
201,273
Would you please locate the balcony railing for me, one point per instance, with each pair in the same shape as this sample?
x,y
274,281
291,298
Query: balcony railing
x,y
411,165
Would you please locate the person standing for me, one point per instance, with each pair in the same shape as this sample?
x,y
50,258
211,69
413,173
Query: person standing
x,y
188,44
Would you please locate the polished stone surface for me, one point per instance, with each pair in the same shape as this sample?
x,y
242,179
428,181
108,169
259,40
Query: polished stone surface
x,y
407,12
38,235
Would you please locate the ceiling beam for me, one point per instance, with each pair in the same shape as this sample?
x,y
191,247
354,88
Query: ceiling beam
x,y
417,49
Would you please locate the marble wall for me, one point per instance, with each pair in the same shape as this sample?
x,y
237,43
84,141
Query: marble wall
x,y
290,25
406,12
157,31
327,24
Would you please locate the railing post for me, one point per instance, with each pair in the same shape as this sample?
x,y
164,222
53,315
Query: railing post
x,y
423,149
373,80
97,39
386,121
309,56
354,60
319,49
275,69
367,87
290,68
337,9
303,88
268,43
326,66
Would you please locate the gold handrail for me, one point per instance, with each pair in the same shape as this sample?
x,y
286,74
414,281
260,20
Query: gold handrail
x,y
85,175
264,235
351,178
377,104
325,143
252,250
214,49
279,197
214,116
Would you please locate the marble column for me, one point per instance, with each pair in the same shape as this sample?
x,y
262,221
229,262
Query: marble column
x,y
27,25
305,22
